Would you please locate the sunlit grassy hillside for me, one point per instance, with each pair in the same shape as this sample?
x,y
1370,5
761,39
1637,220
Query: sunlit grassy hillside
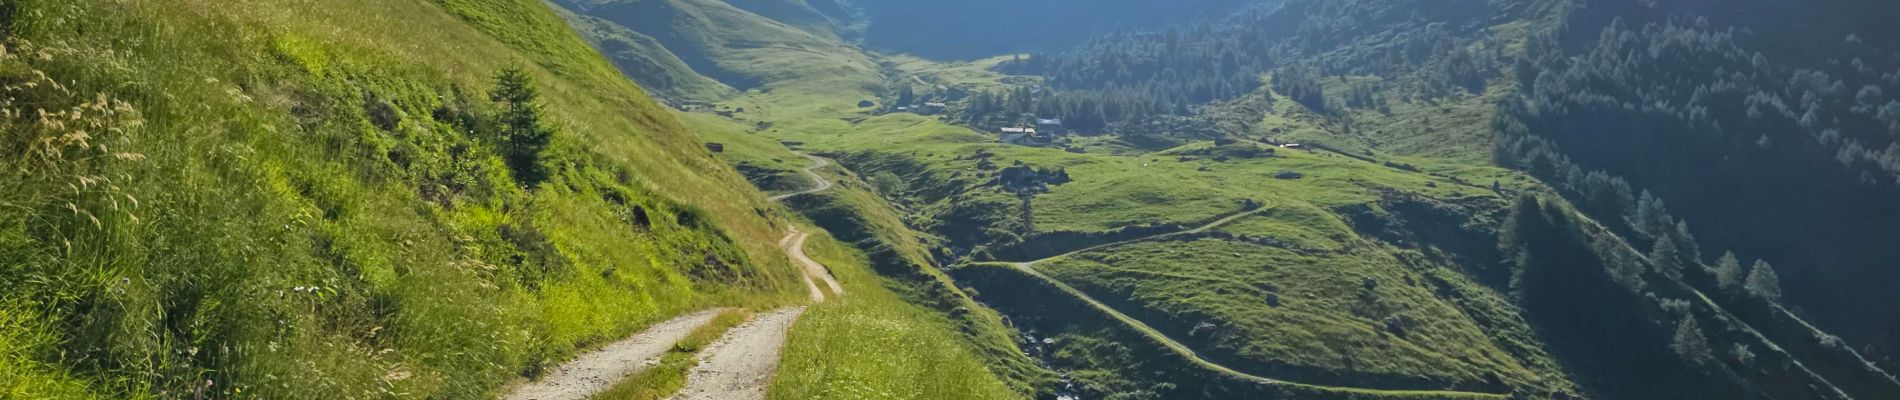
x,y
903,329
736,46
872,344
320,199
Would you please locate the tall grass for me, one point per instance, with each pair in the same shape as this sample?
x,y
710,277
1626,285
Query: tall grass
x,y
303,199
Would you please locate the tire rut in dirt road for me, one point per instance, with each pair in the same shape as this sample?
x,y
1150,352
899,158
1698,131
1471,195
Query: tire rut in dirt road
x,y
740,365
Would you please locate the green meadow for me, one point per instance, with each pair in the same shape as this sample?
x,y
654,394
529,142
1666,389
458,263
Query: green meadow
x,y
1404,332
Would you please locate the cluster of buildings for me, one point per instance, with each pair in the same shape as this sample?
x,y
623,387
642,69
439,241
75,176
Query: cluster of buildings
x,y
1043,133
924,109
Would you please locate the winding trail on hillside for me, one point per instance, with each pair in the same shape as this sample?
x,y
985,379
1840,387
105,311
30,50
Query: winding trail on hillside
x,y
741,364
1029,268
814,272
596,371
1195,357
1201,229
794,241
819,183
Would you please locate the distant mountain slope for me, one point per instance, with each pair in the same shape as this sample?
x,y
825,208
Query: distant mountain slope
x,y
647,62
822,17
732,45
1766,126
984,28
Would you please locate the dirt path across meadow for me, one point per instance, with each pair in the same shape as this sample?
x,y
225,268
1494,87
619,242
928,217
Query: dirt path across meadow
x,y
596,371
819,183
814,272
740,365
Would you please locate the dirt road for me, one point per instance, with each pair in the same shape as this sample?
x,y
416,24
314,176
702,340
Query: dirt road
x,y
740,365
737,367
1203,228
819,183
814,272
596,371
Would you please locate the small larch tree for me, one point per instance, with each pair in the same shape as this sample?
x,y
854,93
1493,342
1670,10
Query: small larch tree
x,y
1667,257
1690,344
522,138
1728,272
1763,282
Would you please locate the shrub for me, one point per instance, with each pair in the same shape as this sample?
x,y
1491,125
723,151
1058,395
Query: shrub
x,y
1742,354
1728,272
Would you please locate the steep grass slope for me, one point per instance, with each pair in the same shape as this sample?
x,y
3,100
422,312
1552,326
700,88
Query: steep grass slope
x,y
646,61
874,344
905,330
985,28
313,199
735,46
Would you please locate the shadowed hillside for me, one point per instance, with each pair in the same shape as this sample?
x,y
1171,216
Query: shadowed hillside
x,y
984,28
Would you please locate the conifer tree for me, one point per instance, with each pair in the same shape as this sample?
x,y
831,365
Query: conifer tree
x,y
522,138
1666,257
1728,272
1763,282
1690,344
